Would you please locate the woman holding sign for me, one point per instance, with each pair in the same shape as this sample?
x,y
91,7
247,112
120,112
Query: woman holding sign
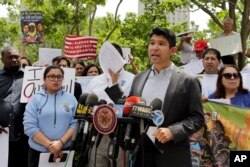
x,y
48,118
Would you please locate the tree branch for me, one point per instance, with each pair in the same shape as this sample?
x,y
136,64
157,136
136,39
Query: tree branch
x,y
202,7
115,23
91,20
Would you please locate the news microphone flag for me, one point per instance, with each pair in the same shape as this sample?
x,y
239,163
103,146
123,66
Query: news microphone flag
x,y
80,47
81,104
157,117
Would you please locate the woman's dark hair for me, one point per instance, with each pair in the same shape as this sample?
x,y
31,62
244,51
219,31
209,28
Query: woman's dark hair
x,y
29,62
52,67
86,69
55,60
81,63
220,89
212,51
168,34
63,58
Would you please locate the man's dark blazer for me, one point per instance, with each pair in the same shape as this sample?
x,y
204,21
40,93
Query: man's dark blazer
x,y
183,112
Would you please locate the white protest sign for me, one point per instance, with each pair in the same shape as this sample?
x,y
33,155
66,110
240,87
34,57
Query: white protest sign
x,y
66,161
126,52
46,55
246,80
4,145
246,69
84,81
194,67
208,83
227,45
109,57
33,81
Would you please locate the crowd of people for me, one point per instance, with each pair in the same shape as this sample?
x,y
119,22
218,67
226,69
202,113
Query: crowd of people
x,y
46,123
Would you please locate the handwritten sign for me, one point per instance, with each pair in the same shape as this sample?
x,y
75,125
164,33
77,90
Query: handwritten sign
x,y
33,81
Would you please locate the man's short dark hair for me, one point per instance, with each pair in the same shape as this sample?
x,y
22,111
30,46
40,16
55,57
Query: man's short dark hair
x,y
168,34
63,58
212,51
118,48
55,59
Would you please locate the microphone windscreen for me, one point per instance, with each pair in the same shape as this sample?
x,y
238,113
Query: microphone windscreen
x,y
128,104
102,101
91,100
156,104
83,98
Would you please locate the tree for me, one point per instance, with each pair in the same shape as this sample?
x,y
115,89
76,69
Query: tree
x,y
238,10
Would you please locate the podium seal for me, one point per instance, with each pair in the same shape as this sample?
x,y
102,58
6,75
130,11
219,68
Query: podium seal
x,y
105,119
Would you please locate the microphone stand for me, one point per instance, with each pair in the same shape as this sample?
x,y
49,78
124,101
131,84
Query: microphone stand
x,y
140,143
84,155
113,149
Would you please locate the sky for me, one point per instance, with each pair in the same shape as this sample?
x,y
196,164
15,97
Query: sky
x,y
199,17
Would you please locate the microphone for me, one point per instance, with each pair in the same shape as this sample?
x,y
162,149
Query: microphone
x,y
156,104
102,101
79,111
91,100
126,112
141,111
128,104
81,104
157,115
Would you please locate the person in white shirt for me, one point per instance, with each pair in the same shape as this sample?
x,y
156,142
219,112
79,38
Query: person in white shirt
x,y
108,88
186,49
228,25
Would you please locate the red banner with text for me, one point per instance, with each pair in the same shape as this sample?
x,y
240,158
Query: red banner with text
x,y
80,47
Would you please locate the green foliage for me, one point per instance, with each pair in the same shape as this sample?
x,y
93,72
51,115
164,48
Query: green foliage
x,y
9,32
7,2
60,18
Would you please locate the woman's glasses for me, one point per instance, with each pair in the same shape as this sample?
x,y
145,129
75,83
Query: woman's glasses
x,y
230,75
54,77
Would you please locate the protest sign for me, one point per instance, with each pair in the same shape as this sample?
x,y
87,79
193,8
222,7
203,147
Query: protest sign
x,y
80,47
33,81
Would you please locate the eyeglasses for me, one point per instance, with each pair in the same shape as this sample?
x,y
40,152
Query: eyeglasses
x,y
230,75
54,77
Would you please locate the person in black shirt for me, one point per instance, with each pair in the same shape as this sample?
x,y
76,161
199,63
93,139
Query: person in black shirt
x,y
11,113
